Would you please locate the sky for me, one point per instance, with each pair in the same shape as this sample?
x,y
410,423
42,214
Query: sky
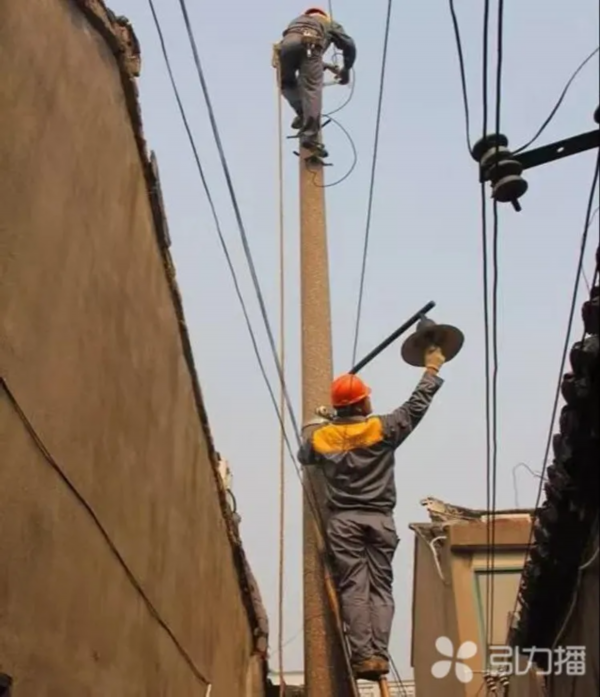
x,y
425,244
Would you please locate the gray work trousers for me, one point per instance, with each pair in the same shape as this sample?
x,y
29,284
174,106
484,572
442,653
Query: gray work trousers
x,y
302,84
363,545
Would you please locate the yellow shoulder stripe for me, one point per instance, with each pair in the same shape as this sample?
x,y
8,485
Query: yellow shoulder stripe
x,y
337,438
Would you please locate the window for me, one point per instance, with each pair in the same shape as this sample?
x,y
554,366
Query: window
x,y
506,584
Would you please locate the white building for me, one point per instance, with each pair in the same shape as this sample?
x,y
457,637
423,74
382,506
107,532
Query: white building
x,y
367,689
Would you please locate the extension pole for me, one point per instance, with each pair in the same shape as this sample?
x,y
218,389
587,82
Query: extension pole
x,y
392,337
326,673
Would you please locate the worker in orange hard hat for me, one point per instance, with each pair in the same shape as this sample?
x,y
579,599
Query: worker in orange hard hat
x,y
305,41
356,452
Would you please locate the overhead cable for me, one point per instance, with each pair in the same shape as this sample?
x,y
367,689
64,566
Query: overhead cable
x,y
310,494
114,550
558,104
236,208
496,238
388,22
463,73
217,222
486,311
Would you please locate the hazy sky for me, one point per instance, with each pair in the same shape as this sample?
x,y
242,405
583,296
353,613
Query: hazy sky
x,y
425,243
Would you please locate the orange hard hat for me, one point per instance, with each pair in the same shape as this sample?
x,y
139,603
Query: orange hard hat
x,y
348,389
317,11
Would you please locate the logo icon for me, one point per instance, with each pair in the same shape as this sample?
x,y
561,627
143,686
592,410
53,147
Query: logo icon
x,y
445,647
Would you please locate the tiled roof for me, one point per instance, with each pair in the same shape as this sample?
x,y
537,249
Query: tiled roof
x,y
563,524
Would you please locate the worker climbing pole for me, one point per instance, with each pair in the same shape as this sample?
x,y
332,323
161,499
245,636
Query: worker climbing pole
x,y
301,73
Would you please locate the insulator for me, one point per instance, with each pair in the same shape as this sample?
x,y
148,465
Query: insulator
x,y
498,166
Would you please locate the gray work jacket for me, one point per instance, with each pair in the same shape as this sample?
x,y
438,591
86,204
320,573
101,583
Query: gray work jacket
x,y
357,454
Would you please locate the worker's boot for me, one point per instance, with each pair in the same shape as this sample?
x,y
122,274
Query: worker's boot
x,y
315,147
297,122
369,669
383,665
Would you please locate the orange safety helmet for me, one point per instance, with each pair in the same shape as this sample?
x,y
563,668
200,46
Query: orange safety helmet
x,y
348,389
318,11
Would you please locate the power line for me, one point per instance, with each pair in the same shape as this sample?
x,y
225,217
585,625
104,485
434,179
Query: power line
x,y
311,498
236,208
217,220
373,174
135,583
496,236
484,234
463,75
558,104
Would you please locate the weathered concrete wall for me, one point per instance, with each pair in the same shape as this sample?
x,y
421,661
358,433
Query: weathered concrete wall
x,y
434,616
92,350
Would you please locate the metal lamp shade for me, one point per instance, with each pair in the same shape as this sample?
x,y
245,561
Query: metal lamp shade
x,y
428,333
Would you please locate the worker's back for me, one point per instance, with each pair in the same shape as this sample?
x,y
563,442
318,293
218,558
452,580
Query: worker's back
x,y
356,455
309,23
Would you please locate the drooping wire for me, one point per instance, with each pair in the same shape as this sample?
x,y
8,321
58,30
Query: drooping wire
x,y
486,311
236,208
565,354
350,97
354,158
463,73
388,22
114,550
558,104
496,235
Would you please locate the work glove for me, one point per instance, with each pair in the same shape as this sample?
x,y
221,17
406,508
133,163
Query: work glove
x,y
434,359
344,76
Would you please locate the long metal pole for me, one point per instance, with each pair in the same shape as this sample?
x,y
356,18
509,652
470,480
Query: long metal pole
x,y
392,337
326,673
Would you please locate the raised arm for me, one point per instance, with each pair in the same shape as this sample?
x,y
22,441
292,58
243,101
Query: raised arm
x,y
403,421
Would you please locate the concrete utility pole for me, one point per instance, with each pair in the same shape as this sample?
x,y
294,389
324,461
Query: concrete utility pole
x,y
326,672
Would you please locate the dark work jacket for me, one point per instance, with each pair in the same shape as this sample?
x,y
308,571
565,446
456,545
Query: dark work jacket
x,y
328,33
357,454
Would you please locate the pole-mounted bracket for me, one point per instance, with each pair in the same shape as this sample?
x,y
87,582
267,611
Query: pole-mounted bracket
x,y
503,168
